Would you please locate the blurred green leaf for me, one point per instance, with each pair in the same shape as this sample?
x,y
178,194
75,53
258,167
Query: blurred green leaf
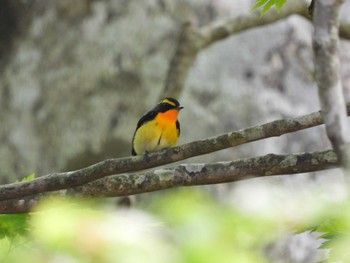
x,y
334,227
206,231
14,231
183,225
279,4
11,225
267,4
27,178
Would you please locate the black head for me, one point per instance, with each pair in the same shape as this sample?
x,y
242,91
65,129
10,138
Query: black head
x,y
168,104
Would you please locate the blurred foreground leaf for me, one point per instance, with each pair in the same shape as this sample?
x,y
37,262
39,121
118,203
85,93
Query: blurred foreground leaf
x,y
12,225
267,4
335,230
205,231
86,233
183,225
13,235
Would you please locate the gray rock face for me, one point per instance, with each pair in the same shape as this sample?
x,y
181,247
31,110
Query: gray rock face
x,y
78,76
75,77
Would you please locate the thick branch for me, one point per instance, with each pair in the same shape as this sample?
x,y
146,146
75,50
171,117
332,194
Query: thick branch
x,y
193,39
203,174
325,40
58,181
181,62
188,175
217,31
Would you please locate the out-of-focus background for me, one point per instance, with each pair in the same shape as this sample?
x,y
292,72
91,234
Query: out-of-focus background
x,y
75,77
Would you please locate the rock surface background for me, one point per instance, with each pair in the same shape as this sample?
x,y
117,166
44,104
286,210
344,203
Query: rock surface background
x,y
75,77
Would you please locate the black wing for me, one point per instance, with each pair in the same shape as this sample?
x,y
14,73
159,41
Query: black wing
x,y
133,153
145,118
178,128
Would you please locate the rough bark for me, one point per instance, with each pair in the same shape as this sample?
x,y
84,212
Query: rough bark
x,y
325,44
186,175
193,39
58,181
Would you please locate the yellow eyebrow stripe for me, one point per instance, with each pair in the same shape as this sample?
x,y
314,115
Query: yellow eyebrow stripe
x,y
169,102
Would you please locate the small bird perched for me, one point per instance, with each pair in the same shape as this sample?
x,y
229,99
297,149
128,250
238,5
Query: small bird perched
x,y
157,129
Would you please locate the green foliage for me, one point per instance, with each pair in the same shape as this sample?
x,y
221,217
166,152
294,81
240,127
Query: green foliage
x,y
186,226
12,225
335,230
27,178
180,226
13,232
267,4
205,231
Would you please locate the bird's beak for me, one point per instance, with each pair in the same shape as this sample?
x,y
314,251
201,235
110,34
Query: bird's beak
x,y
179,108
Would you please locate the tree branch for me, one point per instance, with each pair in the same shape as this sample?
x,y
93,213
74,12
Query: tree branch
x,y
193,39
58,181
187,175
220,30
204,174
325,41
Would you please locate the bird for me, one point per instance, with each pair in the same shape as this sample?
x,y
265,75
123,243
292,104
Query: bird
x,y
158,129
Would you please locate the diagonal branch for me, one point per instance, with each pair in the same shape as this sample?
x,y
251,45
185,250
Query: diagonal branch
x,y
222,29
193,39
58,181
187,175
204,174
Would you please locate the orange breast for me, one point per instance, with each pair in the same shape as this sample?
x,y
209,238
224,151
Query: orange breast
x,y
168,116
